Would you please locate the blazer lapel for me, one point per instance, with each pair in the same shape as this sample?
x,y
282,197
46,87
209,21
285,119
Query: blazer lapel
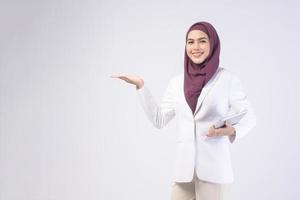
x,y
206,89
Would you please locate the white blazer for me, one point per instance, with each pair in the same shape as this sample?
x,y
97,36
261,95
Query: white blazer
x,y
209,157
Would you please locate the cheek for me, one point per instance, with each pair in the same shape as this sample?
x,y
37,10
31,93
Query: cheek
x,y
188,51
207,48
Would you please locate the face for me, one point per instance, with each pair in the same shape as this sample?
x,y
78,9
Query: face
x,y
197,46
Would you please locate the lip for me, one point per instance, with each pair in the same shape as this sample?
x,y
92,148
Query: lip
x,y
197,54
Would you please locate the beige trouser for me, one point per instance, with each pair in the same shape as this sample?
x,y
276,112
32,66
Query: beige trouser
x,y
200,190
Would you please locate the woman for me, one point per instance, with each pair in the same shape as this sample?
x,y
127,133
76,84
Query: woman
x,y
204,94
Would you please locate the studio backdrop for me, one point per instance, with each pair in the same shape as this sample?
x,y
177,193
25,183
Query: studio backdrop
x,y
69,131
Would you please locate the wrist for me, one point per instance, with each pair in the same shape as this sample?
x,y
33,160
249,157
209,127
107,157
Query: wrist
x,y
140,85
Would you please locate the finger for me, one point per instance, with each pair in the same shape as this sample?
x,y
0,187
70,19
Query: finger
x,y
211,133
124,78
116,75
228,124
119,75
208,135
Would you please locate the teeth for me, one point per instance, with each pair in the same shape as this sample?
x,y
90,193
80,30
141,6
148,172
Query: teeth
x,y
197,54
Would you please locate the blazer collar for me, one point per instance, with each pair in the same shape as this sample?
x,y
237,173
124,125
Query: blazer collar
x,y
209,85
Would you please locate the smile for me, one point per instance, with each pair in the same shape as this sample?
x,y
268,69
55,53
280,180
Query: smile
x,y
197,55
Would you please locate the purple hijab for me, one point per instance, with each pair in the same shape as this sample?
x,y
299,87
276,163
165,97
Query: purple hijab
x,y
197,75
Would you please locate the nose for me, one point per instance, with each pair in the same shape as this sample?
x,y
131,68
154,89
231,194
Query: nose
x,y
196,45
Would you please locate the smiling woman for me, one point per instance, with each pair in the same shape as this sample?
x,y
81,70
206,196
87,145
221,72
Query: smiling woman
x,y
199,97
197,46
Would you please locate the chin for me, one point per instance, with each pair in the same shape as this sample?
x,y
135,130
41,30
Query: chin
x,y
198,61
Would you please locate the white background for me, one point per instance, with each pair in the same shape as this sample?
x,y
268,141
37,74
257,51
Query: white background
x,y
69,131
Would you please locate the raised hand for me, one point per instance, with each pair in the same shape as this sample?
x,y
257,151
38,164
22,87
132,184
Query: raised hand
x,y
132,79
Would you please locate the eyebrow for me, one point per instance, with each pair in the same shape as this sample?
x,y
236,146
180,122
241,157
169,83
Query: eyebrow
x,y
197,38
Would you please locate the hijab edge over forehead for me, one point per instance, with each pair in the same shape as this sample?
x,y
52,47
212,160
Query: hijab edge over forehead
x,y
197,26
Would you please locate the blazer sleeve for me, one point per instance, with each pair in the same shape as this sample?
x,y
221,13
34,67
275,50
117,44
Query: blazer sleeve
x,y
239,101
158,114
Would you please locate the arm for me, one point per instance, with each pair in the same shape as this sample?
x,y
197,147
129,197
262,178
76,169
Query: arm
x,y
239,101
158,114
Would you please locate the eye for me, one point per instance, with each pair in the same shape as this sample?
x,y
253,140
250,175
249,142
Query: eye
x,y
203,41
190,42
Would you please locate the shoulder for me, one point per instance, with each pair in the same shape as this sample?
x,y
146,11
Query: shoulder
x,y
236,84
229,74
226,72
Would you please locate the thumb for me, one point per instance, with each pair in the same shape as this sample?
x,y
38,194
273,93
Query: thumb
x,y
227,124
